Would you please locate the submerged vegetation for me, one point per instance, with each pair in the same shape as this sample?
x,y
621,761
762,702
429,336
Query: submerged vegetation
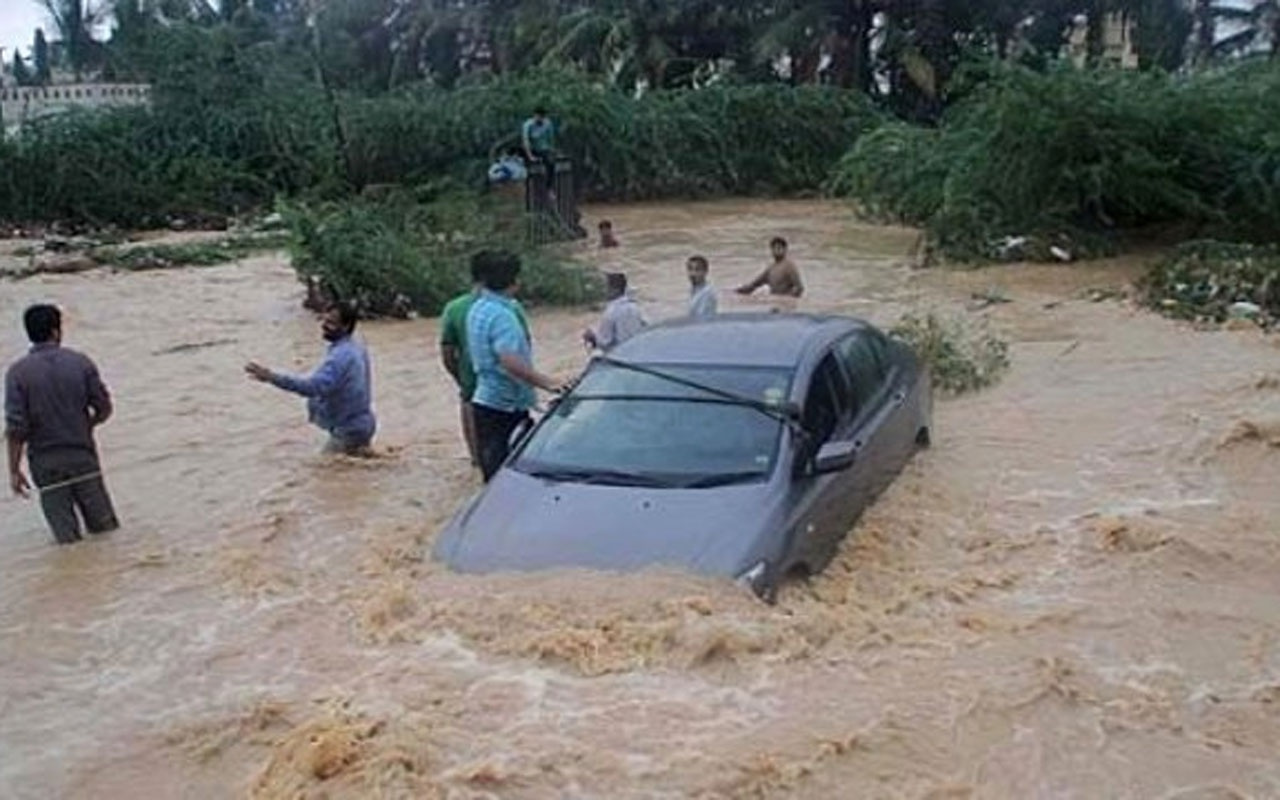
x,y
1214,281
191,254
406,252
962,357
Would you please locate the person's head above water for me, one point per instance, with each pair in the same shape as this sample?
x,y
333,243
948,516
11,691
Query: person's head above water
x,y
607,238
615,285
778,246
697,269
43,323
339,321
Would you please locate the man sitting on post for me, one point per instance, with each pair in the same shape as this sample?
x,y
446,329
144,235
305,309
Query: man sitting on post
x,y
538,135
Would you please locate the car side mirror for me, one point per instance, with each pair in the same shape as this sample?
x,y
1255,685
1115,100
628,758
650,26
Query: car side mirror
x,y
835,457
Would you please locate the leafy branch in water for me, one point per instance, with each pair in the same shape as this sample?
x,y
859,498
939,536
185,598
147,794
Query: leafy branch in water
x,y
962,357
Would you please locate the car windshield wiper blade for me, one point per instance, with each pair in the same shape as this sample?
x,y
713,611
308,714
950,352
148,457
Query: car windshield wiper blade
x,y
784,414
598,477
722,479
664,398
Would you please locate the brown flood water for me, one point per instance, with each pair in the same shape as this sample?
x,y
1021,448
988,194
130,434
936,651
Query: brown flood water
x,y
1073,594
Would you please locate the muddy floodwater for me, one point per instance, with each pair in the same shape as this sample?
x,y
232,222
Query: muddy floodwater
x,y
1074,594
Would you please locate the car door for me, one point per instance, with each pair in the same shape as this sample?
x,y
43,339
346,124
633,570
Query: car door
x,y
819,500
879,396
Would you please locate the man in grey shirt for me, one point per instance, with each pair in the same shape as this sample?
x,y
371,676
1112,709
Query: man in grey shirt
x,y
621,318
53,399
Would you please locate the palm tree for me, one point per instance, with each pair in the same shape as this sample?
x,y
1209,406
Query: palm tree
x,y
1259,27
75,21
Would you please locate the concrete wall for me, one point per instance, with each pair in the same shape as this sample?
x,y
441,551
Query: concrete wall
x,y
21,103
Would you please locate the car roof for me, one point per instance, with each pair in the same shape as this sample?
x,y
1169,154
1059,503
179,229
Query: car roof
x,y
761,339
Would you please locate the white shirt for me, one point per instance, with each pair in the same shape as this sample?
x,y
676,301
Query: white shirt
x,y
702,301
620,321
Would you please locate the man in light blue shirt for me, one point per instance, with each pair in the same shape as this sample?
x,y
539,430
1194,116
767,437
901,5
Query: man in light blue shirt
x,y
339,393
502,357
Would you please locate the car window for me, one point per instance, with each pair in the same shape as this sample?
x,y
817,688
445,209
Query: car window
x,y
865,360
622,421
827,403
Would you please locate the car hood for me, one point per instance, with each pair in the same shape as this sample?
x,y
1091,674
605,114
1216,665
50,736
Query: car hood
x,y
523,523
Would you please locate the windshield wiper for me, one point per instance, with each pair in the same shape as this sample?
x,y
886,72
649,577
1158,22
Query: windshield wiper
x,y
598,477
722,479
663,398
786,414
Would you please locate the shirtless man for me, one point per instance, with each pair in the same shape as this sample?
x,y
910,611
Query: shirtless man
x,y
781,276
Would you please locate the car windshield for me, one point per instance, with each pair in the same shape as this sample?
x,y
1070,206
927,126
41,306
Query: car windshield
x,y
652,425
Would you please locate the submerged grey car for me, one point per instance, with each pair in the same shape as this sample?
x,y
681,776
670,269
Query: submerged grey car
x,y
744,446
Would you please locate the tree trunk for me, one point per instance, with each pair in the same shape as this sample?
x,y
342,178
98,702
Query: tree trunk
x,y
1205,31
1096,32
934,40
860,44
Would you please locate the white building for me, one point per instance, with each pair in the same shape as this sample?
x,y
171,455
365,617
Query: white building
x,y
19,104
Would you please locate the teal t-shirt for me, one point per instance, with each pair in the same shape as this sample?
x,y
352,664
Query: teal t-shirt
x,y
453,333
495,326
541,135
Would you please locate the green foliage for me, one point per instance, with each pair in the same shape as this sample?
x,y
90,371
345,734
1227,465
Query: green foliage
x,y
1080,153
405,251
1202,281
229,132
718,140
961,357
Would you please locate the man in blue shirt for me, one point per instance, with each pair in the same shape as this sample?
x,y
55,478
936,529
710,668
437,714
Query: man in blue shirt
x,y
339,392
502,357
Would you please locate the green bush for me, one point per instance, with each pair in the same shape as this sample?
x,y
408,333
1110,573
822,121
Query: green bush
x,y
962,358
1079,154
405,251
1204,280
717,140
230,130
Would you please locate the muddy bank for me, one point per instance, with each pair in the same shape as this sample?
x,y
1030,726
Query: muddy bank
x,y
1071,594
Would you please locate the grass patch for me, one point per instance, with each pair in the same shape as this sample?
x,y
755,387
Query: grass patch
x,y
962,357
